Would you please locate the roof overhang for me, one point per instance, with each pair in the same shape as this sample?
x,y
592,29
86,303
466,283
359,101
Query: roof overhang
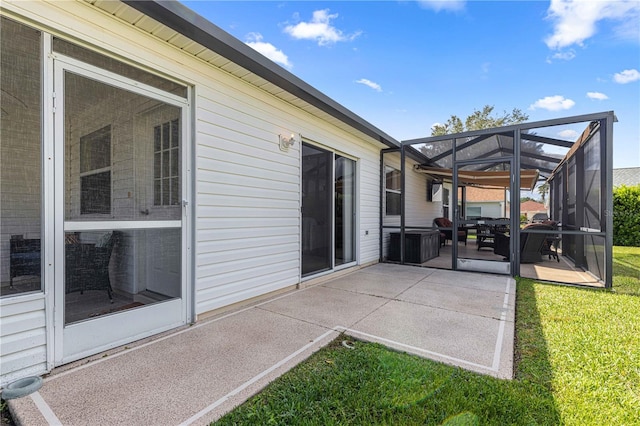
x,y
482,178
213,43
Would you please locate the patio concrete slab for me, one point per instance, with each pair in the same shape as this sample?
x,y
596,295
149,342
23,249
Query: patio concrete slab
x,y
399,271
166,382
196,374
325,306
458,298
374,284
450,336
469,279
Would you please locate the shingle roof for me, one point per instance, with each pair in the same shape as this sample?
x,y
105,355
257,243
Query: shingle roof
x,y
626,176
532,206
484,194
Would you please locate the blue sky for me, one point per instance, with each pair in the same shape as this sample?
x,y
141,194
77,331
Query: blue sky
x,y
406,65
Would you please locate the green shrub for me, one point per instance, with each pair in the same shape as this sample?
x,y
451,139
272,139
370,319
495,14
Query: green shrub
x,y
626,216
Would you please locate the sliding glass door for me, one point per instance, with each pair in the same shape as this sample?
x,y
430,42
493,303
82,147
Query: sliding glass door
x,y
345,212
328,210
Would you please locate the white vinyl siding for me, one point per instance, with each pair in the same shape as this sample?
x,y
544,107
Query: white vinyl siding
x,y
494,209
23,350
418,211
246,192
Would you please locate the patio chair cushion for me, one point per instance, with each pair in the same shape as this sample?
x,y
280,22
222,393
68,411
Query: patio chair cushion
x,y
443,222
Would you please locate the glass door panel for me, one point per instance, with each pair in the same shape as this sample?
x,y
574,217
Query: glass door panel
x,y
345,227
317,172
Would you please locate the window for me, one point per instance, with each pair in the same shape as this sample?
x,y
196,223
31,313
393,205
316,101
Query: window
x,y
166,169
393,191
95,172
474,212
445,202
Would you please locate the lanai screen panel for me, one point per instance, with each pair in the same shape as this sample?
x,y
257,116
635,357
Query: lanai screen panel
x,y
20,158
570,163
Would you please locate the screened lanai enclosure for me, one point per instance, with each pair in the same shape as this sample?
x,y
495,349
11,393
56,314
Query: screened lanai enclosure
x,y
526,200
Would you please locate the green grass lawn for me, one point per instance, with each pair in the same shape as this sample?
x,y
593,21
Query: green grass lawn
x,y
577,363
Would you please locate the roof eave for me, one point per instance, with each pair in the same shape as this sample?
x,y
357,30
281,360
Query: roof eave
x,y
188,23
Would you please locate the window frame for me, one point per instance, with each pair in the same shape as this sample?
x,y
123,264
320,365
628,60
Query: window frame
x,y
173,151
392,191
91,138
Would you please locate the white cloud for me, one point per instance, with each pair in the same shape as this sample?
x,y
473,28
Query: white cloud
x,y
563,56
369,83
597,96
568,134
447,5
575,20
254,40
319,29
553,103
626,76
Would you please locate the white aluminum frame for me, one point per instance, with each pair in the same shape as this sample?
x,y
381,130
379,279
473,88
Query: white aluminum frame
x,y
145,324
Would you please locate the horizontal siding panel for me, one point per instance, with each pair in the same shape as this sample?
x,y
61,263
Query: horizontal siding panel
x,y
249,147
22,337
230,223
236,153
9,309
21,322
244,269
267,158
212,302
213,177
22,341
8,376
260,111
254,284
242,201
237,255
234,190
275,174
215,212
242,243
245,234
24,359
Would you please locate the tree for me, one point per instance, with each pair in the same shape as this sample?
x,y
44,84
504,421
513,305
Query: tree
x,y
480,119
543,190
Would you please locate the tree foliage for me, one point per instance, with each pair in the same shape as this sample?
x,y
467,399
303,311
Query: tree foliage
x,y
626,216
480,119
543,190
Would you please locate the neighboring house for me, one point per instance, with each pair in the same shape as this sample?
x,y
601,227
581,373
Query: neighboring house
x,y
191,173
530,207
486,202
628,176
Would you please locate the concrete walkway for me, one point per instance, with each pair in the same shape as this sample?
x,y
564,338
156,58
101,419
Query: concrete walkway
x,y
196,374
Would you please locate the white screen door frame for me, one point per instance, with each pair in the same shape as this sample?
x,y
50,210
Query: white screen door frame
x,y
80,339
